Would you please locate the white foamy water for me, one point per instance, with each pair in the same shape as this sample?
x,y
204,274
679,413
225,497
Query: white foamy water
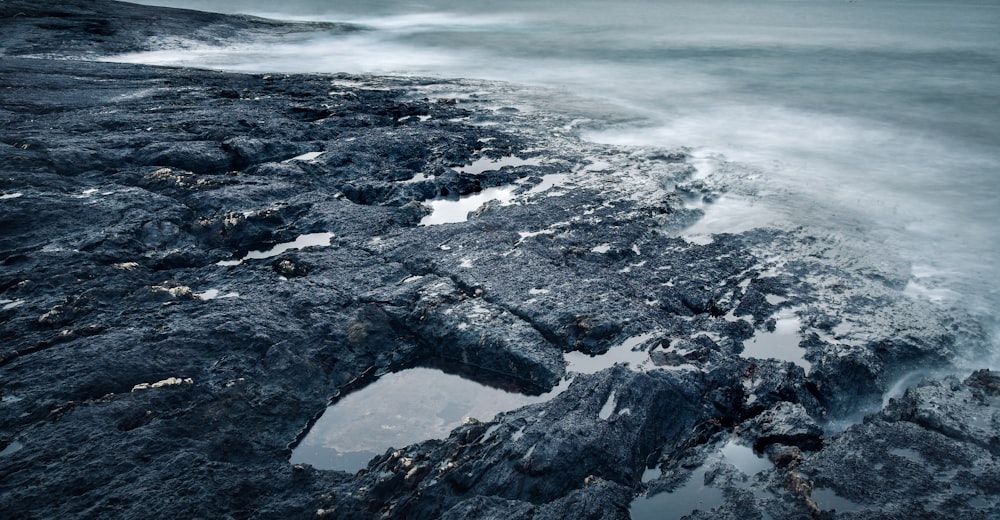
x,y
876,120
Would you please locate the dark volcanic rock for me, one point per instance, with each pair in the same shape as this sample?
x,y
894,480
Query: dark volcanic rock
x,y
596,434
788,424
167,341
931,453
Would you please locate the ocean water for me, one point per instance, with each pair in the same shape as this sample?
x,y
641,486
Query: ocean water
x,y
876,121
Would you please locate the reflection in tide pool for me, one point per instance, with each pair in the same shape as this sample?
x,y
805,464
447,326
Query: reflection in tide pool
x,y
306,157
696,494
486,164
628,352
781,344
407,407
744,459
447,211
397,410
452,210
302,242
828,500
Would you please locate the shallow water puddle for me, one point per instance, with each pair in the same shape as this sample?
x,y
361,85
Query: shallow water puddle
x,y
693,495
782,344
609,406
447,211
548,181
419,177
623,353
90,192
397,410
827,500
597,165
212,294
306,157
418,404
450,210
302,242
775,299
744,458
486,164
422,119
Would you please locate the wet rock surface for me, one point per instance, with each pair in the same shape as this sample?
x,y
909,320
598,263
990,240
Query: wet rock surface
x,y
94,28
162,351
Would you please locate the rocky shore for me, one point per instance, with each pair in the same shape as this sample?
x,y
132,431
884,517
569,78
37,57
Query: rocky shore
x,y
162,353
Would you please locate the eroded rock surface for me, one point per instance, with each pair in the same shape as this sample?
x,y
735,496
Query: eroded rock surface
x,y
166,343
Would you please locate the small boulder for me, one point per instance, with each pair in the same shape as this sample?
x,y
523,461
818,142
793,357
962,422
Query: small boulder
x,y
787,423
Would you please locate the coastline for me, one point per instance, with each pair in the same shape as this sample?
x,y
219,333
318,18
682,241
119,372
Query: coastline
x,y
124,185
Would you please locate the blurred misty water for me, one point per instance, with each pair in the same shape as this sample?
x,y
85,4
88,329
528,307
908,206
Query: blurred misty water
x,y
876,120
